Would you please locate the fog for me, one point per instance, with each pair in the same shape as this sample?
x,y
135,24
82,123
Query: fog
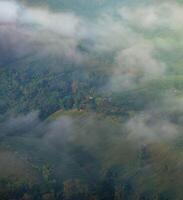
x,y
136,38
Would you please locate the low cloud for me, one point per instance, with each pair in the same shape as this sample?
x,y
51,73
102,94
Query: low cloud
x,y
135,40
8,12
149,127
17,125
26,30
139,42
136,65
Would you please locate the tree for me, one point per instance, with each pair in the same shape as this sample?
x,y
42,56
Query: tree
x,y
75,189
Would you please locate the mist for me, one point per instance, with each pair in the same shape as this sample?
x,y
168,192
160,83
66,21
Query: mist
x,y
135,39
108,95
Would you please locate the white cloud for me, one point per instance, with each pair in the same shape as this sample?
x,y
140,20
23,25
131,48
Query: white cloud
x,y
8,12
136,65
149,126
45,31
130,37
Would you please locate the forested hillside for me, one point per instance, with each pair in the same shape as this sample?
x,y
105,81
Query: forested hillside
x,y
91,100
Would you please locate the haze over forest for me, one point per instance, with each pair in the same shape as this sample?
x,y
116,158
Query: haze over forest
x,y
91,99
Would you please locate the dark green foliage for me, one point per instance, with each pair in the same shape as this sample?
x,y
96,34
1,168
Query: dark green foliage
x,y
26,88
